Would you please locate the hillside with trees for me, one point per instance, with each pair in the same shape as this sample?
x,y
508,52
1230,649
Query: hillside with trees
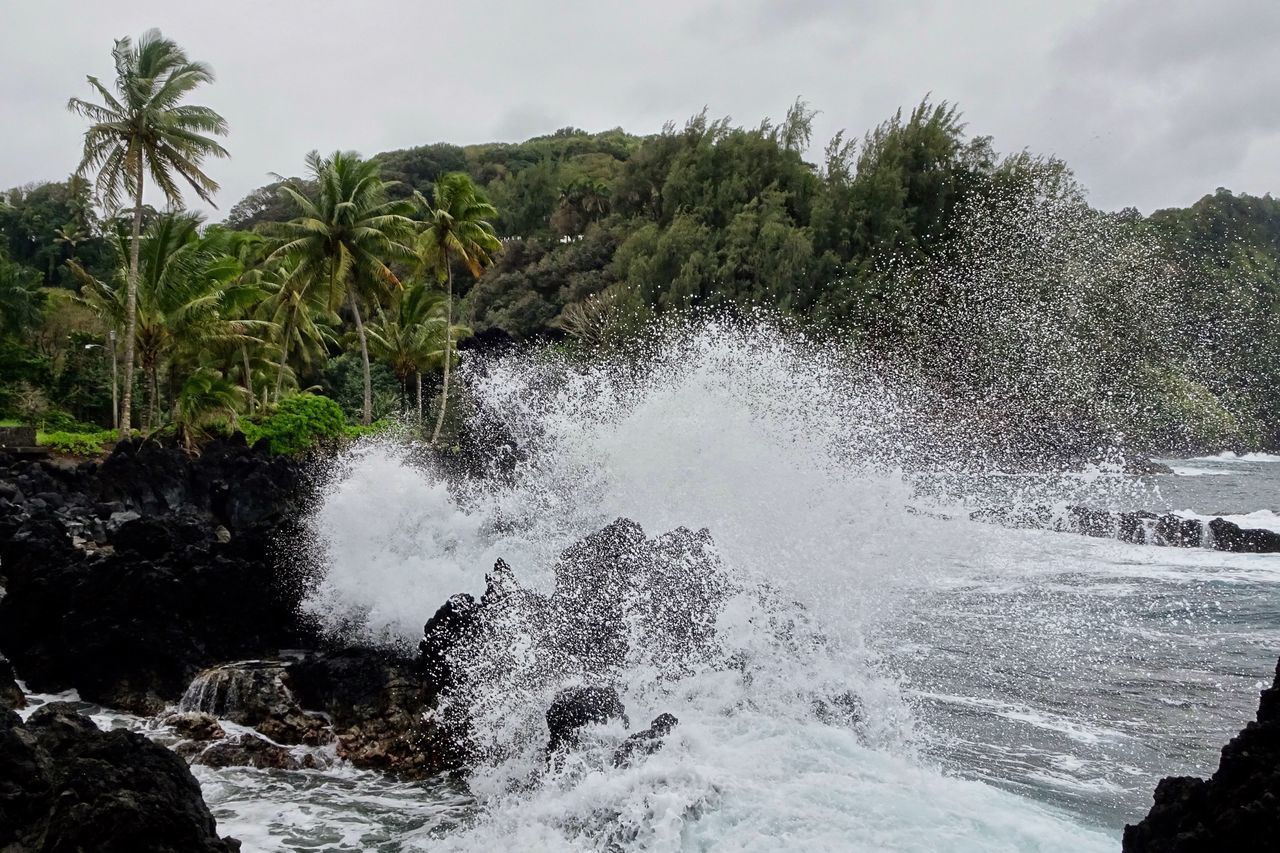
x,y
983,280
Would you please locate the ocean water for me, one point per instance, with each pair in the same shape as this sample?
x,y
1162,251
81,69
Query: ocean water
x,y
1016,690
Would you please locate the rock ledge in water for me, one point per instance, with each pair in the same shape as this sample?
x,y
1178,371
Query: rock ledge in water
x,y
1238,808
66,785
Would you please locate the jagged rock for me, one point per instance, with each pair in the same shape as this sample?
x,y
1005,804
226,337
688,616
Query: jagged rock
x,y
10,693
377,704
67,786
195,725
443,631
255,693
131,628
1228,536
1139,528
619,599
1238,808
576,707
645,742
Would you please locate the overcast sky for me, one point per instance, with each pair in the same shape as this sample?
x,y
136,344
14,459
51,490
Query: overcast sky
x,y
1152,102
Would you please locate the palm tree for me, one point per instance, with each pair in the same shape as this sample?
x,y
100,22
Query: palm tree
x,y
299,311
410,339
205,394
345,236
458,229
144,128
21,299
186,302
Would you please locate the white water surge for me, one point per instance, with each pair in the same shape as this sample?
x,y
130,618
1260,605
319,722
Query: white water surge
x,y
789,460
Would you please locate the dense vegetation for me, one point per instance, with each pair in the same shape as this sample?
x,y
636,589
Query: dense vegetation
x,y
983,281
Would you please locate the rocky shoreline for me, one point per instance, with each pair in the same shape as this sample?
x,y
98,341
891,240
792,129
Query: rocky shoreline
x,y
156,583
1237,808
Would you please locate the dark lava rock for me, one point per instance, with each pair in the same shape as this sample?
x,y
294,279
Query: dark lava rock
x,y
67,786
1238,808
1228,536
248,750
576,707
378,707
255,693
190,580
454,620
645,742
620,598
10,693
194,725
1140,528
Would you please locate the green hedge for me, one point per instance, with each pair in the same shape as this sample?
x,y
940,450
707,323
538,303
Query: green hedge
x,y
298,423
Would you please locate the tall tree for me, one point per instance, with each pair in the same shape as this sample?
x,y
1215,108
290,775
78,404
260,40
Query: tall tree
x,y
410,338
187,300
459,229
144,128
345,236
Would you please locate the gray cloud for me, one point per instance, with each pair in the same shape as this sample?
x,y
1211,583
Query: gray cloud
x,y
1152,103
1178,92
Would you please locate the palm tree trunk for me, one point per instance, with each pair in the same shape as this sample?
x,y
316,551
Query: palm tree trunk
x,y
419,376
155,396
448,355
367,416
131,310
284,356
248,376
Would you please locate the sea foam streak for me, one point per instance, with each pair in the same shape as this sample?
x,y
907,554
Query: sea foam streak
x,y
767,442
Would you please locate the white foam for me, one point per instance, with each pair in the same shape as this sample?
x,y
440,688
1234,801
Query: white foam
x,y
1229,457
1265,519
762,439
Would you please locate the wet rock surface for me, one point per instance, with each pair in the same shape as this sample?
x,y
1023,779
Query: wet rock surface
x,y
1140,528
378,706
577,707
66,785
620,599
195,726
1238,808
248,750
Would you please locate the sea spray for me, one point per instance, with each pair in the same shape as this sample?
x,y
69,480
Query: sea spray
x,y
795,731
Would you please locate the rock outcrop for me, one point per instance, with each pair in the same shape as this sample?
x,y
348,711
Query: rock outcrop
x,y
1140,528
10,693
577,707
1238,808
380,710
125,579
66,785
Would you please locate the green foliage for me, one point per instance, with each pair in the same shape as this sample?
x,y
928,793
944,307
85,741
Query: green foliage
x,y
379,427
85,443
298,424
342,380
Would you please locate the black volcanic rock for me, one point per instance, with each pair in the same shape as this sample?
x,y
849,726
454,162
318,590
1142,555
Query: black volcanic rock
x,y
1238,808
10,693
1228,536
377,704
67,786
180,574
1139,528
577,707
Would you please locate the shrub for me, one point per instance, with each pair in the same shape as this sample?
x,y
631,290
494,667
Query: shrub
x,y
298,423
354,431
76,443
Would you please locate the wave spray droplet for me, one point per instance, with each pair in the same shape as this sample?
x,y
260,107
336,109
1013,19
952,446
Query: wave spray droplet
x,y
793,733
